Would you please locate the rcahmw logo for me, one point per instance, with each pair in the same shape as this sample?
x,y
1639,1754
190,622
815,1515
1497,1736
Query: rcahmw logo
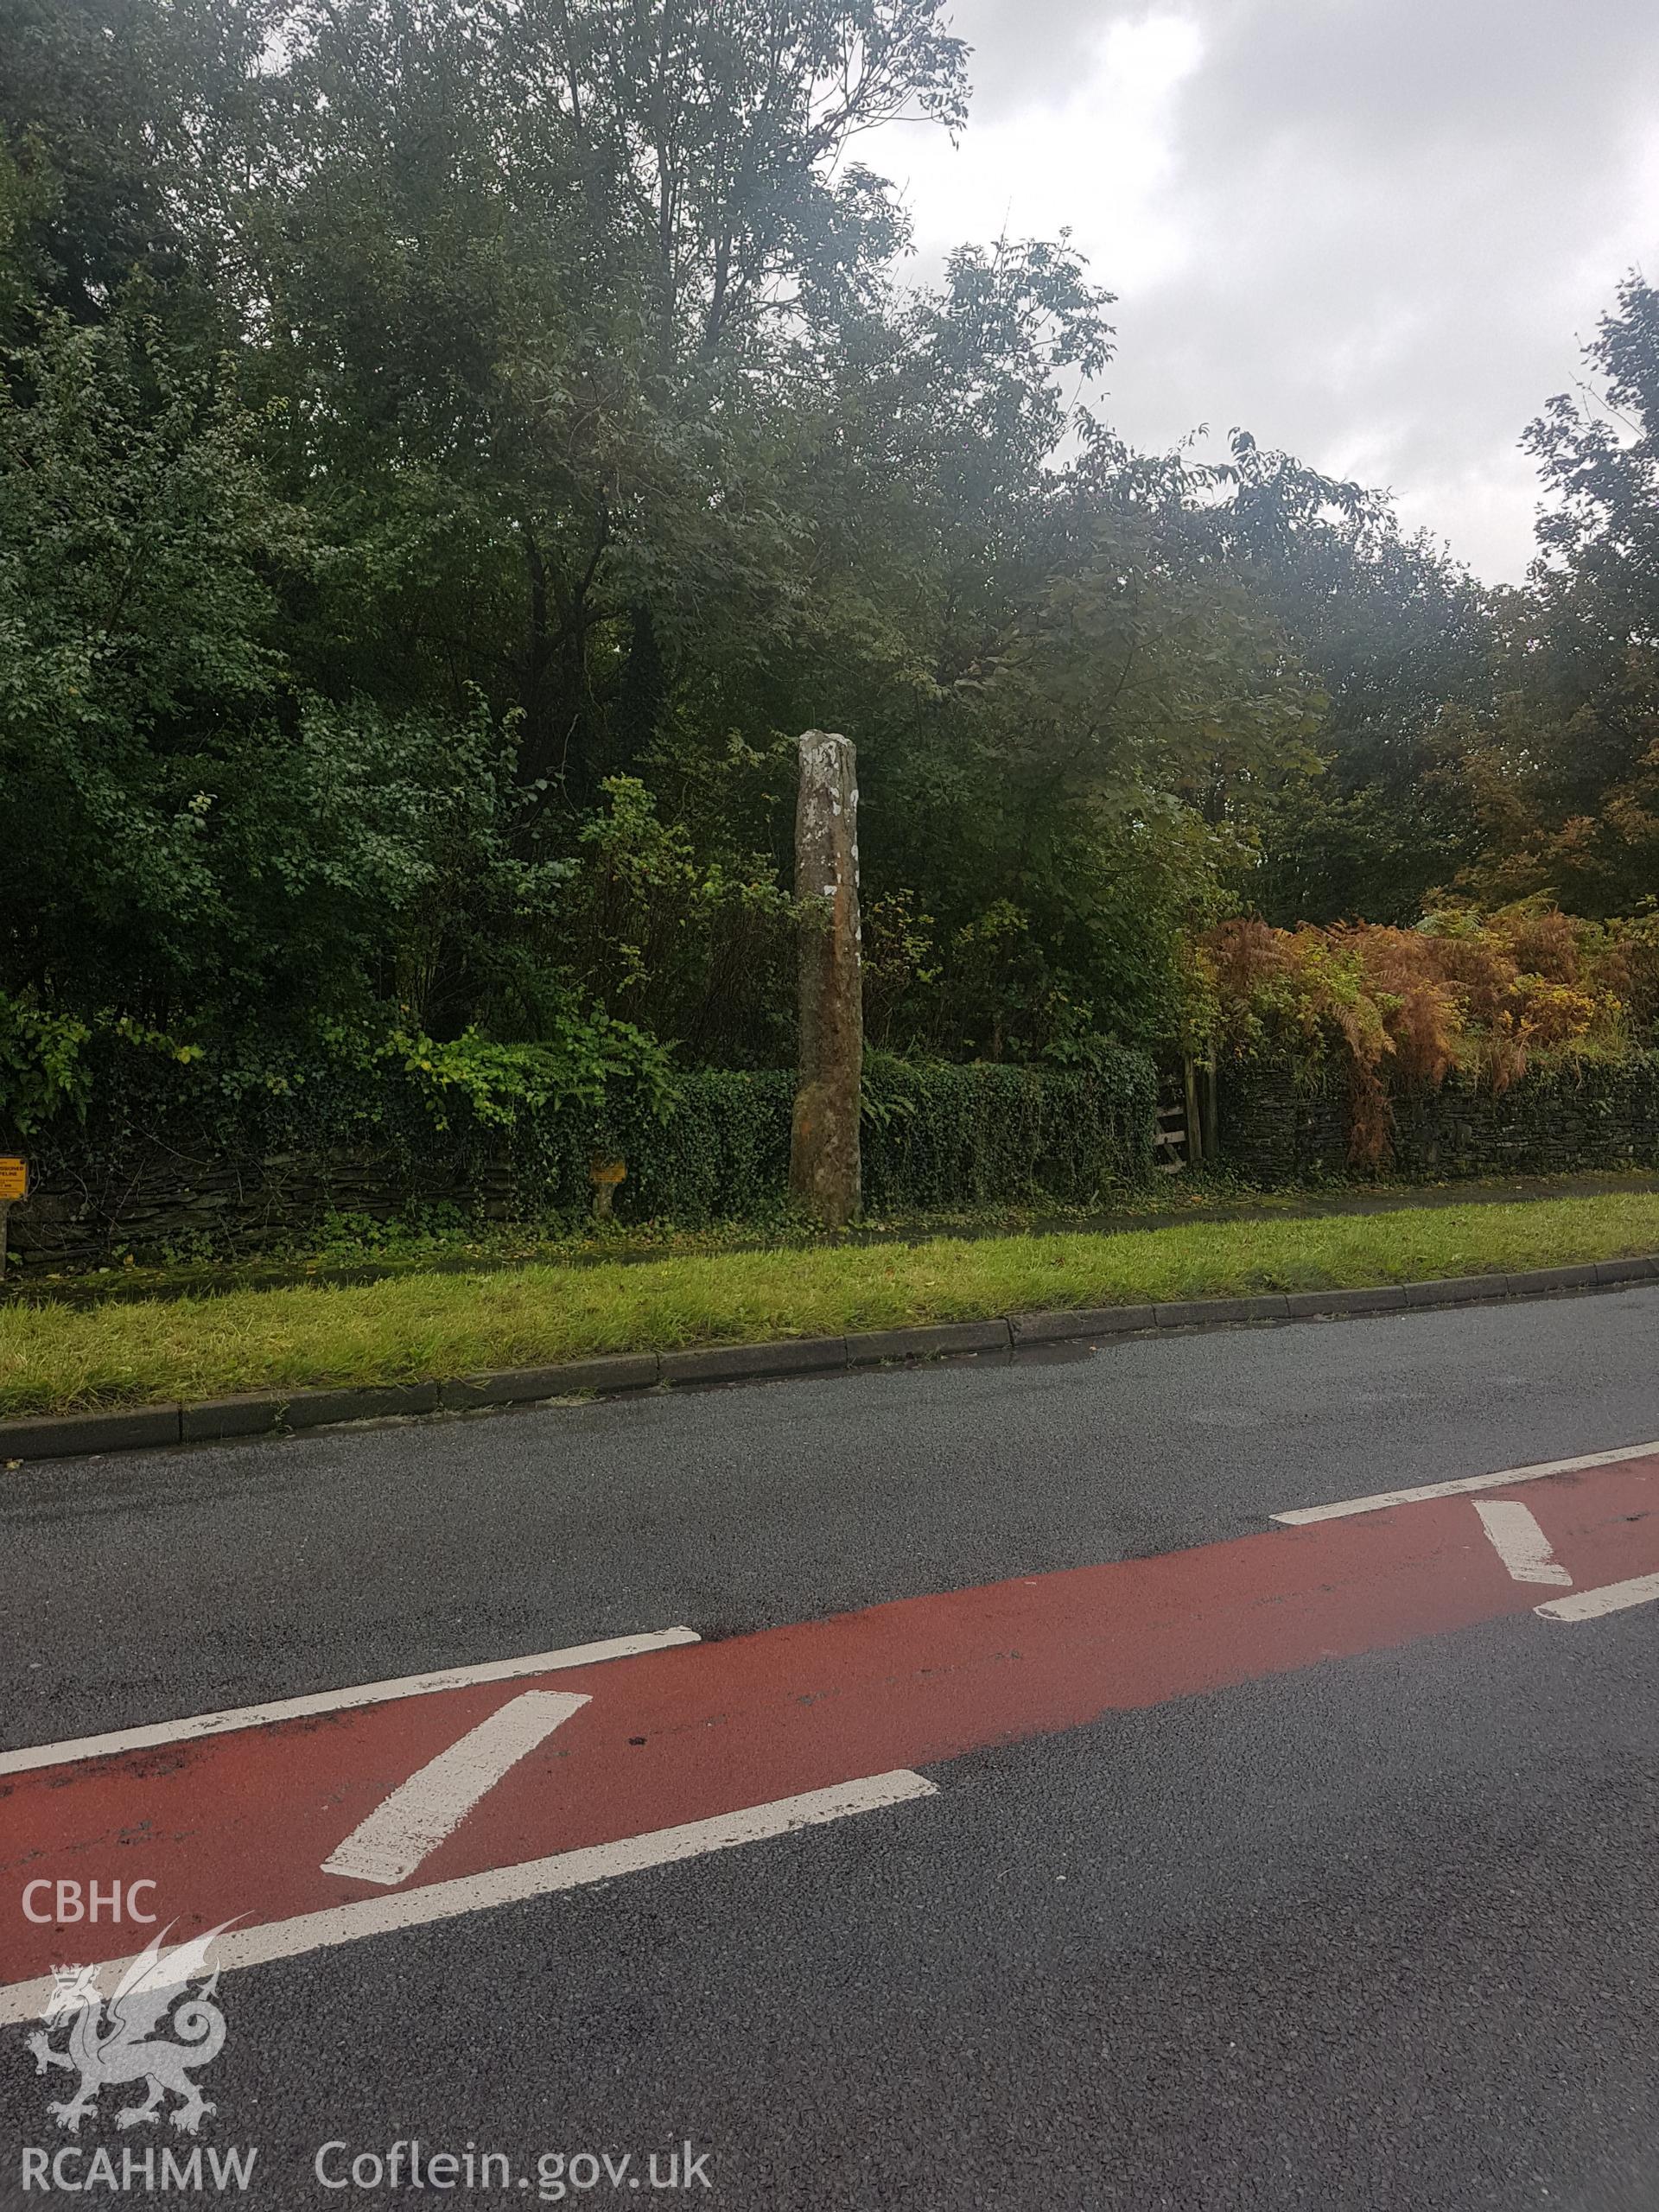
x,y
160,2026
151,2170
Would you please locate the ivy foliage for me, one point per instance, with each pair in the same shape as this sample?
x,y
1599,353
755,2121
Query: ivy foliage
x,y
519,1130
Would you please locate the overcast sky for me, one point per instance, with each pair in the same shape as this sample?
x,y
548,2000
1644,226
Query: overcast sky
x,y
1370,231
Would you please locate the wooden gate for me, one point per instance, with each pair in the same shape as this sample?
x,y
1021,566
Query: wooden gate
x,y
1186,1133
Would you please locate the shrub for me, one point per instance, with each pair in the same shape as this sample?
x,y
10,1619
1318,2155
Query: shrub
x,y
1487,996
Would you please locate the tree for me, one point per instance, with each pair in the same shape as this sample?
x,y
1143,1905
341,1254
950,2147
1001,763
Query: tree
x,y
448,455
1567,765
1404,645
201,840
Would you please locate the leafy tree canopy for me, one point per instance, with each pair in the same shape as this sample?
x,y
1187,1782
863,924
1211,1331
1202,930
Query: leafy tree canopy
x,y
445,456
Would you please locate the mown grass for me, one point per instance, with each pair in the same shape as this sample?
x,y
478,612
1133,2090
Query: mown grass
x,y
57,1358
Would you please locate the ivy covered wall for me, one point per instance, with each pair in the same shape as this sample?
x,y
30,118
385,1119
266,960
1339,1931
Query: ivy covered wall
x,y
170,1162
1594,1114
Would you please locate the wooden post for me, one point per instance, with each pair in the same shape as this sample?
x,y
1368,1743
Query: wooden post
x,y
1194,1129
825,1172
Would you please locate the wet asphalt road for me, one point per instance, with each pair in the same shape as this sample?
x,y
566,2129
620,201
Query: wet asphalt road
x,y
1382,1933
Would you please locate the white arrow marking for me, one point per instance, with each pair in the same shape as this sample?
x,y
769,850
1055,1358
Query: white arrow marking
x,y
1519,1542
420,1813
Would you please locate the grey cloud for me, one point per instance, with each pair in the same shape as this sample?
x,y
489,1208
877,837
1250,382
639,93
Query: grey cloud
x,y
1397,217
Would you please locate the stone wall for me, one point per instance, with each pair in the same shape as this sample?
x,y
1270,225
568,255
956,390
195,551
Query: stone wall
x,y
162,1178
168,1207
1599,1114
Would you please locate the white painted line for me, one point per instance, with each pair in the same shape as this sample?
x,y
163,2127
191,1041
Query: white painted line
x,y
410,1824
1519,1542
1612,1598
299,1708
537,1878
1303,1514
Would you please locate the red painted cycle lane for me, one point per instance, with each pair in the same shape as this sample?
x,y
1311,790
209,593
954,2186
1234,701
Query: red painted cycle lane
x,y
240,1824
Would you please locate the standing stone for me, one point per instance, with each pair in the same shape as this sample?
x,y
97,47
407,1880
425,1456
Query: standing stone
x,y
824,1172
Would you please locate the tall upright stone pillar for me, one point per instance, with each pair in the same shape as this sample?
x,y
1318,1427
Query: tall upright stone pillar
x,y
824,1172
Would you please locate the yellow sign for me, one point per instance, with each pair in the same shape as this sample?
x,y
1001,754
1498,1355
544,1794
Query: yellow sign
x,y
14,1179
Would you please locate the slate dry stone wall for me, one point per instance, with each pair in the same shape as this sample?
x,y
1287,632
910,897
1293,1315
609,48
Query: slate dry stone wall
x,y
159,1176
1601,1114
162,1206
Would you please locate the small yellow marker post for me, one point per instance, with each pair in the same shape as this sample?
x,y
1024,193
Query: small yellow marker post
x,y
13,1187
605,1174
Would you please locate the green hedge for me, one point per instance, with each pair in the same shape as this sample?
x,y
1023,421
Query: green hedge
x,y
936,1136
172,1158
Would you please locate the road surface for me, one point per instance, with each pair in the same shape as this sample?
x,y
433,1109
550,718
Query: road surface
x,y
1077,1781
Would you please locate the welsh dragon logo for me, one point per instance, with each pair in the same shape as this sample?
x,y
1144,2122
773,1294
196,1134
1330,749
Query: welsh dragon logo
x,y
117,2043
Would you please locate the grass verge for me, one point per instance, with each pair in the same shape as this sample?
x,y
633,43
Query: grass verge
x,y
353,1249
55,1359
60,1359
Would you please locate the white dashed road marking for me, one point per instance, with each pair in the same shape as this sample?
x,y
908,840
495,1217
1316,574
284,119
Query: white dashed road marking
x,y
1300,1516
1612,1598
539,1878
301,1708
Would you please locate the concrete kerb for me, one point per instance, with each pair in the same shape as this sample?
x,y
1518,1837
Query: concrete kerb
x,y
287,1412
